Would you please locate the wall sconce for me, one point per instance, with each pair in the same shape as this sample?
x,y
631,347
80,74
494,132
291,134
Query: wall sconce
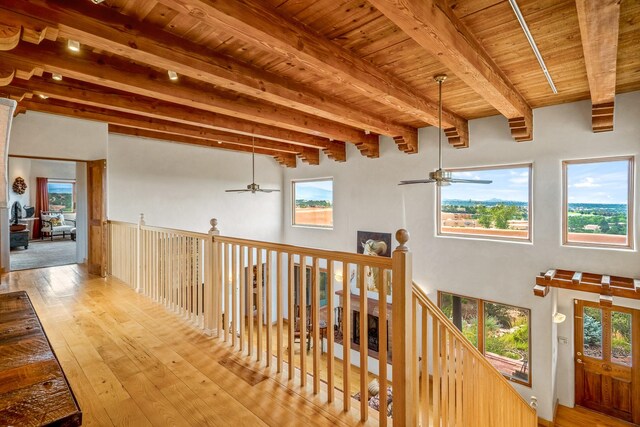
x,y
559,318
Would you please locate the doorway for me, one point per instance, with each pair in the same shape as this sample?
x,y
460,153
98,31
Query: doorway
x,y
607,358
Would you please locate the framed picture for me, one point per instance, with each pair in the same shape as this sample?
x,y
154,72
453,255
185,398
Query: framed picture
x,y
374,244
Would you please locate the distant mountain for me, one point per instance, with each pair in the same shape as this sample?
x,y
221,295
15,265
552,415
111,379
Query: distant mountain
x,y
313,193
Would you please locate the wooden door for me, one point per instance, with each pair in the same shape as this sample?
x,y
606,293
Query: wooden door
x,y
607,359
97,216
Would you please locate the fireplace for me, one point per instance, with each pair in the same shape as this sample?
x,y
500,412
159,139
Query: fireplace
x,y
373,340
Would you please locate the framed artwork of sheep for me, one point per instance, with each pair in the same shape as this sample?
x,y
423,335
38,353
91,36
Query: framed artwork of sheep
x,y
374,244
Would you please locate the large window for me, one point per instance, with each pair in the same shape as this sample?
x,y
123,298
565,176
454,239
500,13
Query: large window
x,y
313,203
499,331
62,195
598,200
499,210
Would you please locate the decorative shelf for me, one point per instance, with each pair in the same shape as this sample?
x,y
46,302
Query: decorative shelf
x,y
605,285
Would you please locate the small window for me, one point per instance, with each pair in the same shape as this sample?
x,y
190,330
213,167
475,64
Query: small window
x,y
598,200
313,203
500,210
62,195
499,331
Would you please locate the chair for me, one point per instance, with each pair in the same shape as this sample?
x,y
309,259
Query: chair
x,y
297,333
56,222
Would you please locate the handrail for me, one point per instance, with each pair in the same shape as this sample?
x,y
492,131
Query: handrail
x,y
421,295
371,261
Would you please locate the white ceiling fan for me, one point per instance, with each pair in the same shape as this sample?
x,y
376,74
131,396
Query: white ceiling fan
x,y
253,187
440,176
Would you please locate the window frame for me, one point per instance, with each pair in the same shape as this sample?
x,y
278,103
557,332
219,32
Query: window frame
x,y
630,203
74,195
293,203
529,239
481,332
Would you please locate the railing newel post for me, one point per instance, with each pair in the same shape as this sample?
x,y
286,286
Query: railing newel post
x,y
402,327
210,283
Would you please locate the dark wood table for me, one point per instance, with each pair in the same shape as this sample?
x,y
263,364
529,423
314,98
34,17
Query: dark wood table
x,y
33,389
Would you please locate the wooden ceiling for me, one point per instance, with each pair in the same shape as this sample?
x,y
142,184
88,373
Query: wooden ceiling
x,y
301,76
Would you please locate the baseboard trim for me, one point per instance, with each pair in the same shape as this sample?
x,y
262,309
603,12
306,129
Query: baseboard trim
x,y
546,423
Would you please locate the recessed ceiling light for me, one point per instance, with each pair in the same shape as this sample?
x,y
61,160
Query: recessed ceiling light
x,y
172,75
56,76
73,45
43,96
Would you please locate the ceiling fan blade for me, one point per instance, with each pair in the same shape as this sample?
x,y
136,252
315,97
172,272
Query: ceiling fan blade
x,y
469,181
417,181
237,191
268,190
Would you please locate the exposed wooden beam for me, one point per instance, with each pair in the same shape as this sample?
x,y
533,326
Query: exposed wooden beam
x,y
9,36
98,96
6,74
64,108
432,24
118,34
126,76
254,23
285,159
599,22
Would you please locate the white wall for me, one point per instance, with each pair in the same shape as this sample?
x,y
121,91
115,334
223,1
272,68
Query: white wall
x,y
19,167
366,197
47,135
183,186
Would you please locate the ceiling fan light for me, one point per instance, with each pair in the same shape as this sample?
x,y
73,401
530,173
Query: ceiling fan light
x,y
73,45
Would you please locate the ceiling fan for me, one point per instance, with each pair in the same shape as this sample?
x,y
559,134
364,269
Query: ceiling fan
x,y
440,176
253,187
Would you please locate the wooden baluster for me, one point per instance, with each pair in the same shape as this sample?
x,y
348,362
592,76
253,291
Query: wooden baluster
x,y
424,375
250,293
268,302
458,387
234,294
224,318
364,346
435,358
303,319
315,324
259,298
451,363
403,409
382,340
415,398
330,334
444,394
292,315
346,337
243,295
279,314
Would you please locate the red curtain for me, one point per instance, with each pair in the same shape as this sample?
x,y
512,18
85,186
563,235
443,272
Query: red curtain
x,y
42,203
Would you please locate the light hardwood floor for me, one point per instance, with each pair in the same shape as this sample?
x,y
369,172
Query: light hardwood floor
x,y
132,362
578,416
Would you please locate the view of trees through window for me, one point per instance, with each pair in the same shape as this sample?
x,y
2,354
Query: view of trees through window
x,y
61,196
500,209
313,203
597,202
505,340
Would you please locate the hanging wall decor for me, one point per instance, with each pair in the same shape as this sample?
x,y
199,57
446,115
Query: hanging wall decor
x,y
19,186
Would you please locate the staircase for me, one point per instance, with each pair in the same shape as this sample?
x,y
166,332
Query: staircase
x,y
243,292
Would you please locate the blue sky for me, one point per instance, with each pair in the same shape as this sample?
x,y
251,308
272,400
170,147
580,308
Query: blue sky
x,y
508,184
60,187
314,190
602,182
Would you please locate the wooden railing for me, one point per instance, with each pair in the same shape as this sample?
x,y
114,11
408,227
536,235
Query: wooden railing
x,y
254,298
464,388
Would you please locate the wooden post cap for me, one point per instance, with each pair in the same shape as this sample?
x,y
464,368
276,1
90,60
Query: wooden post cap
x,y
214,224
402,236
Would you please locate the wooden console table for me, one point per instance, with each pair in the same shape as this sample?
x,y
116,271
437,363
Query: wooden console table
x,y
33,389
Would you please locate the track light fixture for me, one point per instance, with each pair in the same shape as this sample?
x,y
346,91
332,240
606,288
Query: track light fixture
x,y
73,45
172,75
57,77
43,96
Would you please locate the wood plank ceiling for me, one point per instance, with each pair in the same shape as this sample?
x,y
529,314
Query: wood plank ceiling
x,y
300,76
